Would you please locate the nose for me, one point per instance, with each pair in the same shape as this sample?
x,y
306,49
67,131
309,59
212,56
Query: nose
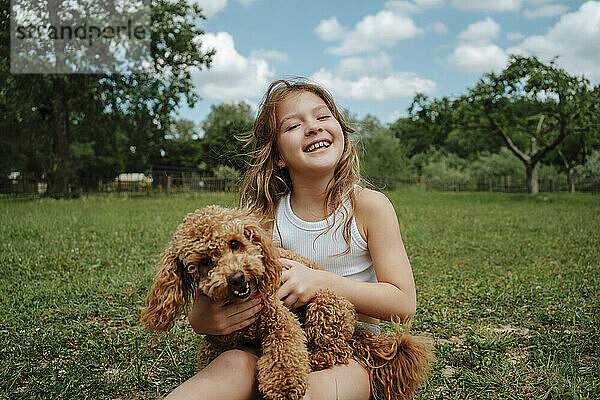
x,y
236,279
313,128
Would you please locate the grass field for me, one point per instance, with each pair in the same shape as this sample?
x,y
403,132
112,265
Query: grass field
x,y
508,290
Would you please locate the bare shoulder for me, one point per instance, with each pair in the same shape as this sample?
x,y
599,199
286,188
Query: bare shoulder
x,y
371,202
372,208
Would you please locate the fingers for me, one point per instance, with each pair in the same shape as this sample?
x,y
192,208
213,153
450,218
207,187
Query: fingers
x,y
241,315
240,325
291,296
287,263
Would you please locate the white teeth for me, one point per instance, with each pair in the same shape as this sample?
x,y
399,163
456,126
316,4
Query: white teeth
x,y
237,293
317,145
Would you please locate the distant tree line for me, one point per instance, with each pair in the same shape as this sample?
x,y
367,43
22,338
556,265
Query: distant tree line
x,y
72,131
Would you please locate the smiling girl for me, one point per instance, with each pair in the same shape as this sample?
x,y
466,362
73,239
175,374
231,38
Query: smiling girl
x,y
303,176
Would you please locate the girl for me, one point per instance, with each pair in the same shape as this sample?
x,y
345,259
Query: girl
x,y
304,178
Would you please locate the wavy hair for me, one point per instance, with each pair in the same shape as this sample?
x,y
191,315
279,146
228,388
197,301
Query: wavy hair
x,y
265,183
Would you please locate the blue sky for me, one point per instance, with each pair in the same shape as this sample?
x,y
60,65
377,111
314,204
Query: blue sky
x,y
375,55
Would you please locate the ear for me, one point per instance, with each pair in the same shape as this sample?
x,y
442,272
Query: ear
x,y
256,234
280,163
170,294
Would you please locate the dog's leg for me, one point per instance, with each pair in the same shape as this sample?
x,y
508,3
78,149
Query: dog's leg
x,y
284,364
329,327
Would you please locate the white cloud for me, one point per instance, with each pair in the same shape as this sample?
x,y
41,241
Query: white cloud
x,y
514,36
372,32
395,115
397,85
481,31
574,38
402,7
478,58
476,51
330,29
487,5
438,27
381,62
231,76
424,4
211,7
548,10
274,55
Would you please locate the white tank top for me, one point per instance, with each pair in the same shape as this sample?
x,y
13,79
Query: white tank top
x,y
297,235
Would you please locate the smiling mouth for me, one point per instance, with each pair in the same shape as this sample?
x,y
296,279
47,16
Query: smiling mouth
x,y
243,293
317,145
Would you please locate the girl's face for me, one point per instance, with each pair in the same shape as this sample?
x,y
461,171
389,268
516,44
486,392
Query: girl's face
x,y
309,138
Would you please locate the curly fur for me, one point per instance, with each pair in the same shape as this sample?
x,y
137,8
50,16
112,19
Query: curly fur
x,y
210,251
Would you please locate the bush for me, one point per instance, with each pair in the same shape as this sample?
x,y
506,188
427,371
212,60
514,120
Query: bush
x,y
447,171
384,158
497,165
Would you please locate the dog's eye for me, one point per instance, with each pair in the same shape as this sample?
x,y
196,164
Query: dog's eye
x,y
206,261
191,268
234,244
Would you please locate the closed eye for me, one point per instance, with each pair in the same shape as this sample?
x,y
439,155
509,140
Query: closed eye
x,y
292,127
324,117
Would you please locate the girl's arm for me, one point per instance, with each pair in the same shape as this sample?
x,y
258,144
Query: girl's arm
x,y
393,295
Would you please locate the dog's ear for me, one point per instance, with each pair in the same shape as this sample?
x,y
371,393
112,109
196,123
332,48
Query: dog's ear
x,y
258,235
170,294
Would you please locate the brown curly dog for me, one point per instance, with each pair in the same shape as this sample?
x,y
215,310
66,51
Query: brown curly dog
x,y
228,256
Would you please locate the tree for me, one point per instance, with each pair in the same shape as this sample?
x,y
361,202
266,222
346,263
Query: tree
x,y
99,124
383,158
532,106
429,123
223,128
572,153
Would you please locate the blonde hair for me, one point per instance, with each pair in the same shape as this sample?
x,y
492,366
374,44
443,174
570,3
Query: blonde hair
x,y
265,183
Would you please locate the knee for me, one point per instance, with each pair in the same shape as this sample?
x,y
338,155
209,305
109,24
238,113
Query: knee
x,y
239,363
320,387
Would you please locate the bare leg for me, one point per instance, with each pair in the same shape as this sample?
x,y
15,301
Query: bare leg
x,y
341,382
232,375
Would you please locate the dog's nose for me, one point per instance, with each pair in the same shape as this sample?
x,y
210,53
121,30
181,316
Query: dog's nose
x,y
236,279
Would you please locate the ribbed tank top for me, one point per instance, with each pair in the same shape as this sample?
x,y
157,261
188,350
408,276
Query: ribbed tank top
x,y
297,235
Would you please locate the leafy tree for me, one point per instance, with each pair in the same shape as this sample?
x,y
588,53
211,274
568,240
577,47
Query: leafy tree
x,y
223,128
496,165
428,125
590,171
572,153
82,124
532,106
383,158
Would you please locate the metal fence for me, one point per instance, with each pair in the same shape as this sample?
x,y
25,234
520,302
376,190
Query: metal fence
x,y
505,184
175,180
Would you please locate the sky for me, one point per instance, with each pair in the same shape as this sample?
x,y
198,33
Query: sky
x,y
373,56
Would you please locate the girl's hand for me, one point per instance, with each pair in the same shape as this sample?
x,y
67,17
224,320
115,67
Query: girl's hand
x,y
209,318
300,283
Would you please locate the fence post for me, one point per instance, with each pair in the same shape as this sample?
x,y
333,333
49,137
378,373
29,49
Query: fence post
x,y
169,179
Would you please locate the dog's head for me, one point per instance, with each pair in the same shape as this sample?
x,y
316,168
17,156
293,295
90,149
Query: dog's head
x,y
224,253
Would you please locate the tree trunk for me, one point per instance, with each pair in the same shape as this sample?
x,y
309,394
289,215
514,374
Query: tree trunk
x,y
571,176
58,179
532,178
531,168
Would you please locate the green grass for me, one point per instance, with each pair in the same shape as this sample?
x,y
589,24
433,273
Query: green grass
x,y
508,291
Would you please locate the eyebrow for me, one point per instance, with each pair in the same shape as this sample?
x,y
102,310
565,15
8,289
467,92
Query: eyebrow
x,y
317,108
